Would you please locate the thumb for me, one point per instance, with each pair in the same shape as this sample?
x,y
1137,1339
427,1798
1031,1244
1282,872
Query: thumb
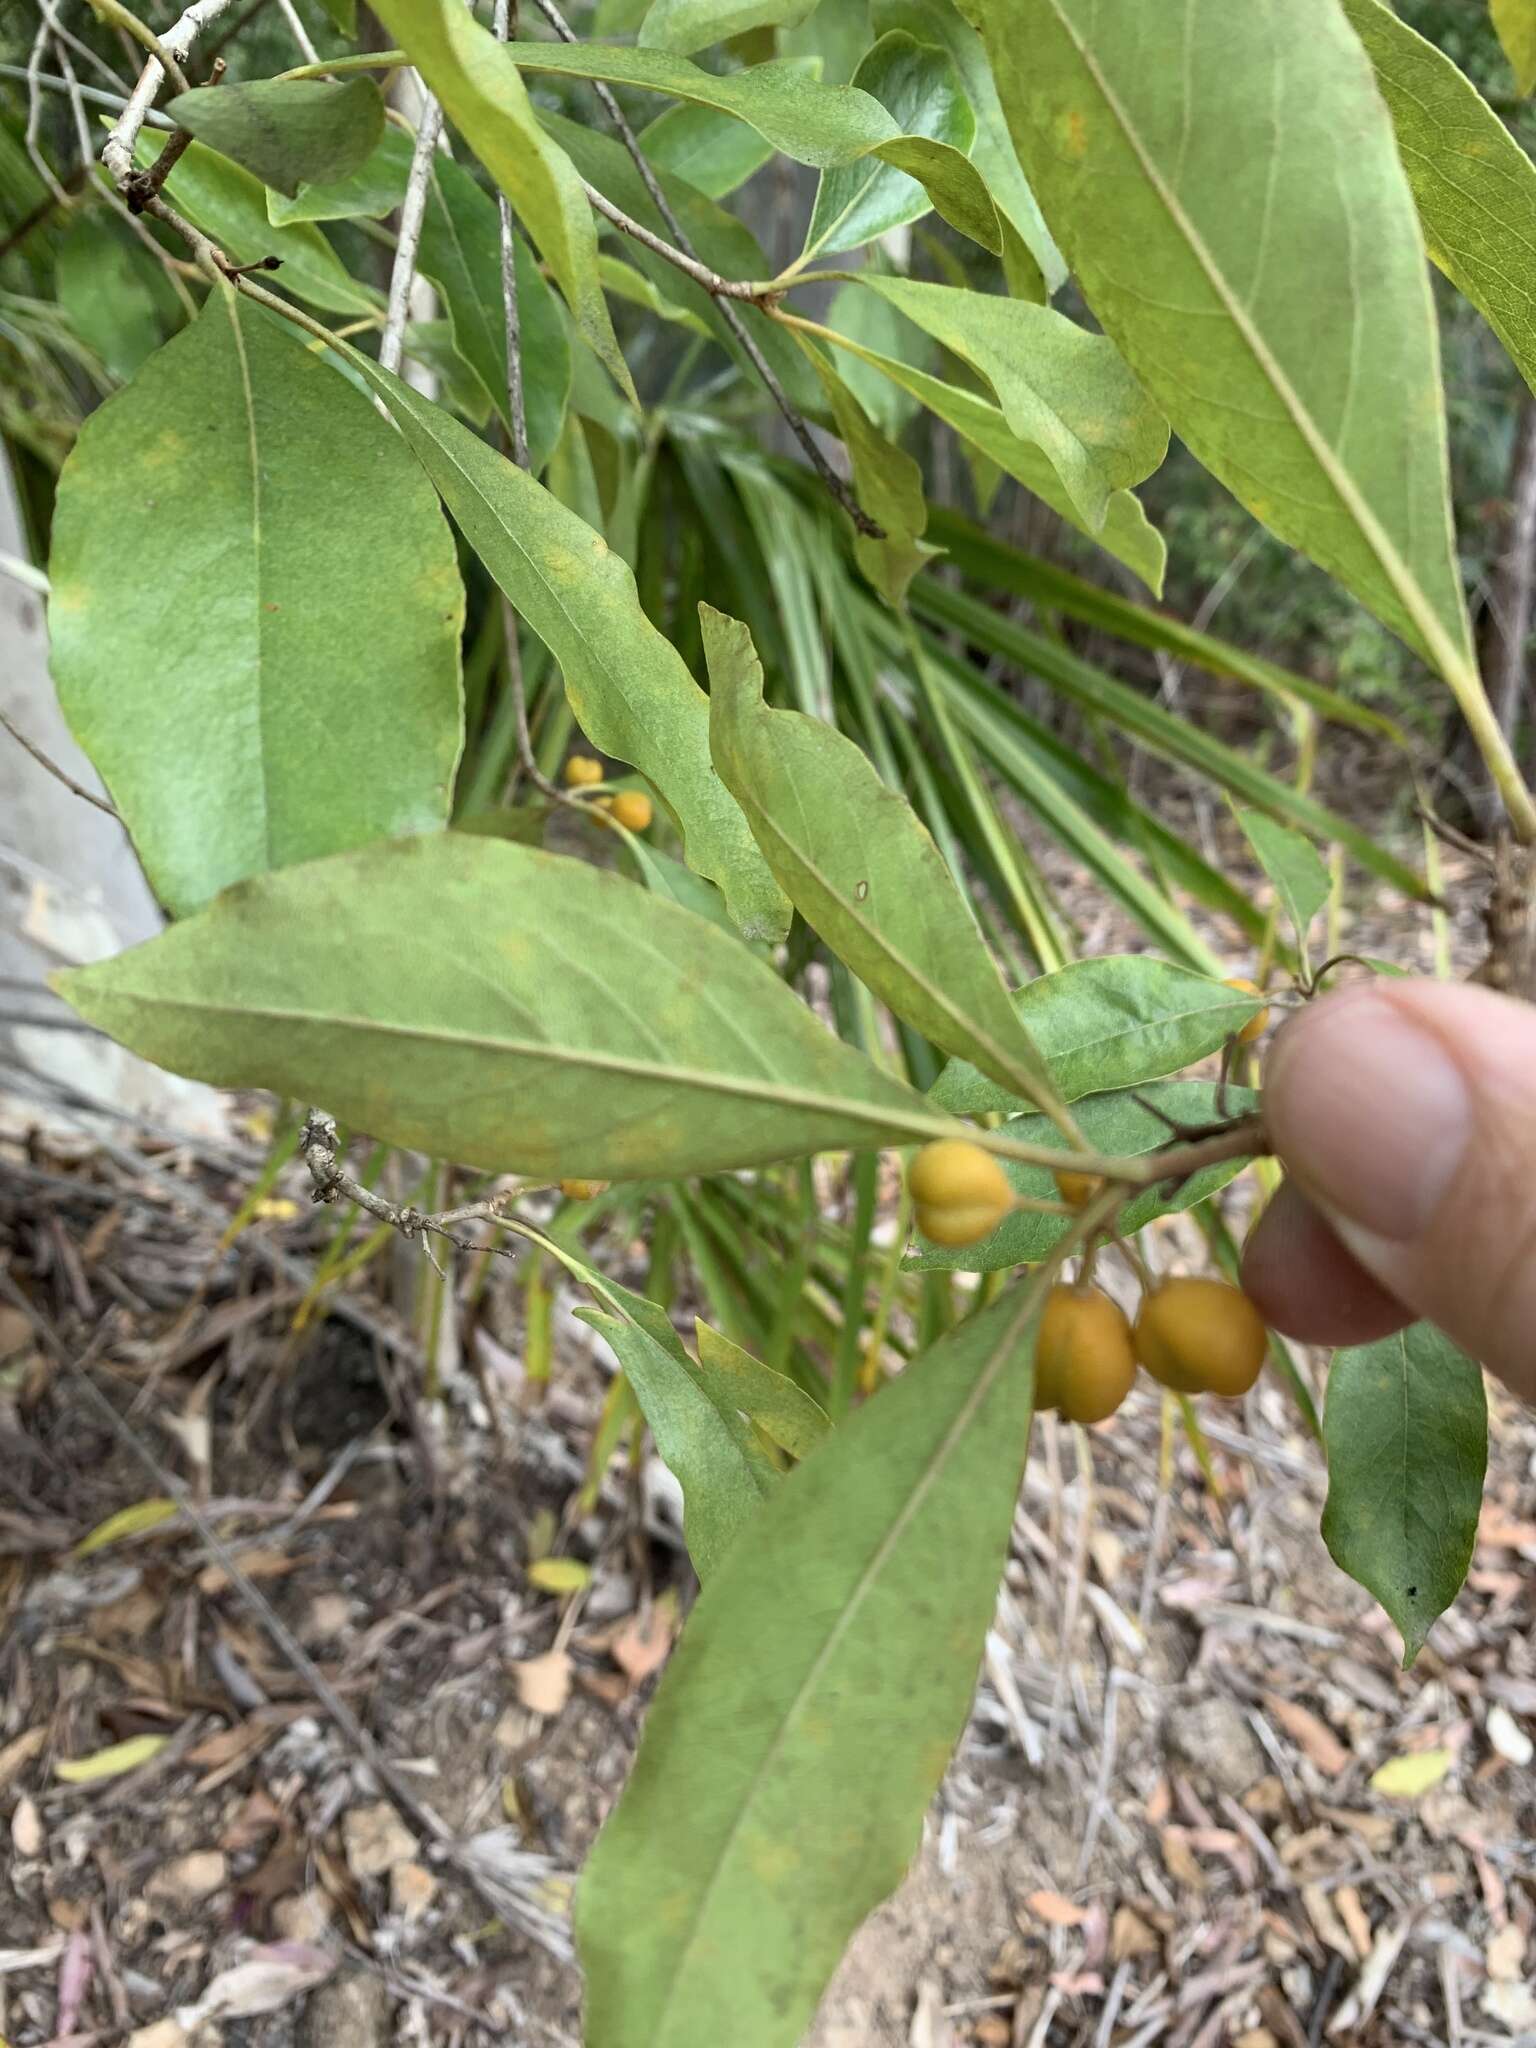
x,y
1406,1112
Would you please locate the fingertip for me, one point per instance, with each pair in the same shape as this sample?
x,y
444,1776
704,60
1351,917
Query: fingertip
x,y
1307,1284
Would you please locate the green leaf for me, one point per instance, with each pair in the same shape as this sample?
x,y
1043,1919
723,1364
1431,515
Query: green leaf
x,y
684,26
628,686
1121,1124
703,1442
1295,867
230,206
483,94
816,124
1406,1430
104,294
286,682
1125,532
715,152
1064,389
806,1716
993,153
504,1007
877,326
1515,24
113,1762
287,131
1235,212
374,189
461,252
667,877
1474,185
342,15
771,1399
888,484
921,89
852,856
1110,1022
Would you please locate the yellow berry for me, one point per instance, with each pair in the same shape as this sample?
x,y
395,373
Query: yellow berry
x,y
581,771
961,1192
1084,1363
631,808
1077,1190
1258,1023
583,1190
1201,1337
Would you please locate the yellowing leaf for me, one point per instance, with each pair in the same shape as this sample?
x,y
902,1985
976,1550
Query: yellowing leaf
x,y
1410,1777
110,1763
559,1575
276,1209
144,1514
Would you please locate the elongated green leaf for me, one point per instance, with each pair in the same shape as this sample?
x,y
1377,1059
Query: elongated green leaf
x,y
808,1712
1314,391
1124,533
501,1006
375,188
771,1399
1515,21
888,484
343,15
1003,567
1295,867
877,326
104,293
853,858
230,206
1060,387
1406,1430
1474,185
702,1441
921,90
993,153
1158,730
287,131
628,686
1111,1022
815,124
1123,1124
460,251
483,94
684,26
286,683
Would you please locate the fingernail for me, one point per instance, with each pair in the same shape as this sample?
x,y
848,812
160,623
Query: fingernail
x,y
1369,1111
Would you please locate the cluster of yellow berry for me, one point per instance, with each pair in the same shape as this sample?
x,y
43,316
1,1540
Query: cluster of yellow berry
x,y
631,808
1195,1336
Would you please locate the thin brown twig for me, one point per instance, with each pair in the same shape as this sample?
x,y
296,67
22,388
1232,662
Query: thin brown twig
x,y
52,767
745,340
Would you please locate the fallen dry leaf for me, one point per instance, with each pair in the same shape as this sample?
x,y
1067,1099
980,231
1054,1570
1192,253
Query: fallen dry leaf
x,y
19,1752
1179,1859
255,1563
27,1835
1355,1918
1505,1954
1054,1910
1318,1741
1509,1738
412,1888
641,1646
270,1977
189,1879
544,1683
1130,1936
1410,1777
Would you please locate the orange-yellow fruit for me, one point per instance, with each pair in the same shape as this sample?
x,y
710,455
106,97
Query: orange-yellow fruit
x,y
581,771
1201,1337
1077,1190
583,1190
961,1192
1084,1363
631,808
1258,1023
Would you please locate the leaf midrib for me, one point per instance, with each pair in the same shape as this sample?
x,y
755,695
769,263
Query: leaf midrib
x,y
263,772
844,1620
1453,662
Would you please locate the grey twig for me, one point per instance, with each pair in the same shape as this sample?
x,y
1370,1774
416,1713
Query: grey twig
x,y
117,154
413,211
717,286
503,25
53,768
720,290
318,1148
298,31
